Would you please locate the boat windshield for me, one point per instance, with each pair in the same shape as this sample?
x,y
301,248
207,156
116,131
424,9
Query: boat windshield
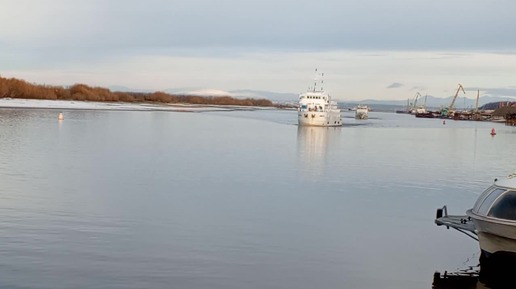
x,y
489,200
482,197
504,207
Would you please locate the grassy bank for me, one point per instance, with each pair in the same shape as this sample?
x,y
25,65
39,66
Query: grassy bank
x,y
17,88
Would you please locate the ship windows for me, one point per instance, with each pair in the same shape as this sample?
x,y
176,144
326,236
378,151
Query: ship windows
x,y
505,207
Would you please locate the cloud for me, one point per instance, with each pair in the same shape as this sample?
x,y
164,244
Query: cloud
x,y
418,88
376,24
495,91
366,75
395,85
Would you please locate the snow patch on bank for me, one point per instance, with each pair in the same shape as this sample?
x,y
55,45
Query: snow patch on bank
x,y
69,104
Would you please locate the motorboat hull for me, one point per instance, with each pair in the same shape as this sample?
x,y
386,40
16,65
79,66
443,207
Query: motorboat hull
x,y
493,243
494,235
361,114
497,241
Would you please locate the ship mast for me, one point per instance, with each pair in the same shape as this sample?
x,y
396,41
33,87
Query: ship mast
x,y
318,78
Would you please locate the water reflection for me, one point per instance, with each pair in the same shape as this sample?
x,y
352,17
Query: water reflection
x,y
464,279
313,144
147,199
472,278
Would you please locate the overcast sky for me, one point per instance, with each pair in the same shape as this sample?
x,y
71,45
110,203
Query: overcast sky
x,y
382,49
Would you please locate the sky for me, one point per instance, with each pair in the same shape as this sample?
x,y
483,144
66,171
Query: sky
x,y
367,49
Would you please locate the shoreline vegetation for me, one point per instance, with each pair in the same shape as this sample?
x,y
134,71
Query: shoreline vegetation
x,y
21,89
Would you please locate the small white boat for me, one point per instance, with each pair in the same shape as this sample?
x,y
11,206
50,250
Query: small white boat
x,y
491,221
316,107
361,112
419,110
494,216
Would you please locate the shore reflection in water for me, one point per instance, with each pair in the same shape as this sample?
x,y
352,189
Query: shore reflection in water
x,y
475,278
464,279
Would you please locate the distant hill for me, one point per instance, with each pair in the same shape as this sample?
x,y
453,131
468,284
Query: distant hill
x,y
381,106
119,88
286,97
496,105
273,96
199,91
431,101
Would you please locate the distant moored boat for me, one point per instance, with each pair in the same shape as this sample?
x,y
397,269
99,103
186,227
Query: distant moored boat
x,y
361,112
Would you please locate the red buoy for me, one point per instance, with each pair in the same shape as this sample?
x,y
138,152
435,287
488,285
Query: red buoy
x,y
493,131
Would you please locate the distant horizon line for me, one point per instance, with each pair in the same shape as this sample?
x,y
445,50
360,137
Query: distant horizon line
x,y
234,92
267,94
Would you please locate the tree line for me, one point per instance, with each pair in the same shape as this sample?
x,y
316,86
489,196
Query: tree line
x,y
17,88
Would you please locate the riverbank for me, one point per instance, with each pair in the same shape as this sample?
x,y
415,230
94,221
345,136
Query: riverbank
x,y
91,105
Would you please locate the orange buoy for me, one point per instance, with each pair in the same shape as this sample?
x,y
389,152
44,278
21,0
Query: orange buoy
x,y
493,131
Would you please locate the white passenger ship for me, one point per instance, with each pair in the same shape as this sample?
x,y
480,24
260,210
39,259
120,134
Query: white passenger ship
x,y
316,107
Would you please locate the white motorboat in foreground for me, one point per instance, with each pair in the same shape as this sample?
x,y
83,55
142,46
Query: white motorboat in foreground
x,y
491,221
316,107
494,216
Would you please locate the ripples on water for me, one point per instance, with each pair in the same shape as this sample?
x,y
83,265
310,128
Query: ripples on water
x,y
243,199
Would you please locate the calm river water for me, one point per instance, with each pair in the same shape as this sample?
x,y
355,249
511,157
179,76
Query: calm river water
x,y
242,199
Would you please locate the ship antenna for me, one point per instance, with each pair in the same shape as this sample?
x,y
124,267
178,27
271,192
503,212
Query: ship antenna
x,y
315,80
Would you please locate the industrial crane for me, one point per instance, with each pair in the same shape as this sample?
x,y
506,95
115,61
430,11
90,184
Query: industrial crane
x,y
455,97
415,100
446,112
476,103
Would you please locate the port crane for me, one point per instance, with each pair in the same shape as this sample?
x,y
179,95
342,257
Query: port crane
x,y
476,103
455,97
415,101
448,111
